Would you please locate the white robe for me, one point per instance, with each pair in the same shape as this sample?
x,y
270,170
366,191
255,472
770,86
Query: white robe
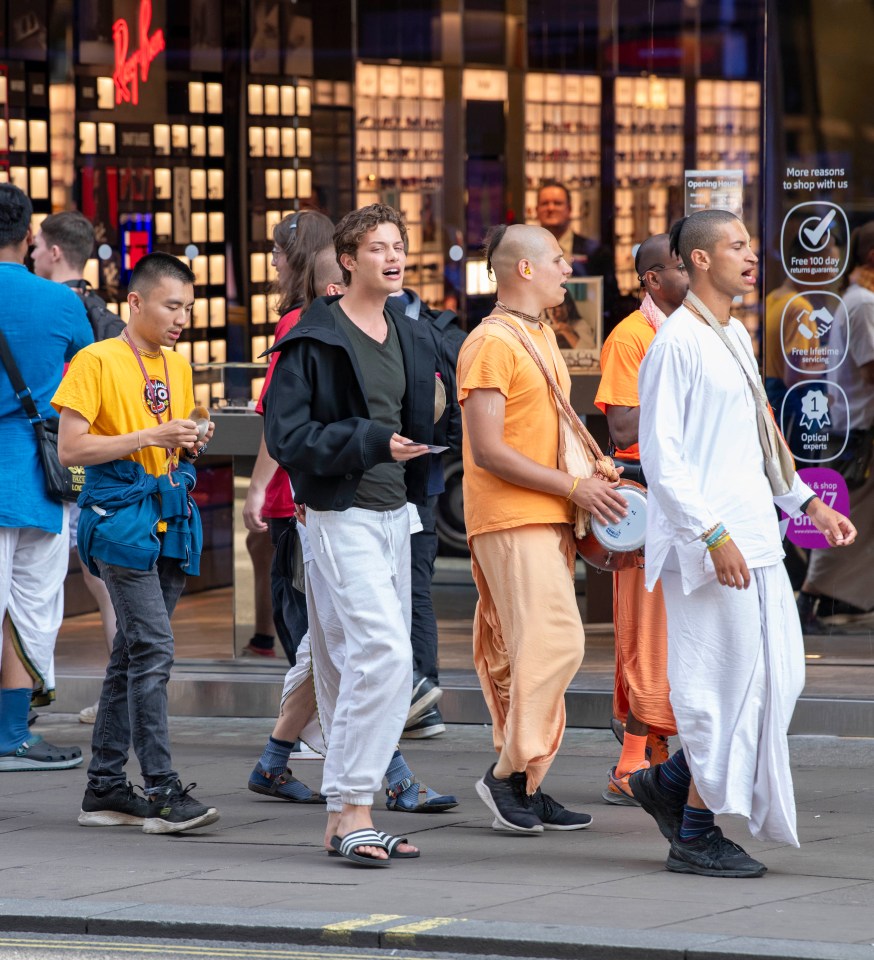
x,y
735,658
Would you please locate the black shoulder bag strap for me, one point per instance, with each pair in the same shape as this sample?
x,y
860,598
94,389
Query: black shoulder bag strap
x,y
22,391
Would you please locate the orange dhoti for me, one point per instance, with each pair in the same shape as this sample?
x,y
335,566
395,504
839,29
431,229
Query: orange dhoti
x,y
528,639
641,680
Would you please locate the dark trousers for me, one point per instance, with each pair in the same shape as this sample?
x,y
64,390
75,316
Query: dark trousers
x,y
289,605
423,552
133,701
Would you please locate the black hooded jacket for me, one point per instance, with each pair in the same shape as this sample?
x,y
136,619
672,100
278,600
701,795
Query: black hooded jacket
x,y
317,424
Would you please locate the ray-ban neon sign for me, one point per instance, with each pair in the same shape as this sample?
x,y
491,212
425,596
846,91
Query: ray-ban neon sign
x,y
130,70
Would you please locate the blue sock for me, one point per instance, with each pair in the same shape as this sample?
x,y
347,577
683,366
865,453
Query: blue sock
x,y
397,771
14,708
695,823
274,760
674,776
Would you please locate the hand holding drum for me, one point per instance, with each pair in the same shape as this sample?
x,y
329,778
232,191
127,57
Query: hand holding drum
x,y
618,545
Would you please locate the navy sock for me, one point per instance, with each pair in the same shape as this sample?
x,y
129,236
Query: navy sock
x,y
674,776
14,708
695,823
275,757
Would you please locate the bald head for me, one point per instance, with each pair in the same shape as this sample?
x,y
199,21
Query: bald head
x,y
529,267
661,272
506,247
654,252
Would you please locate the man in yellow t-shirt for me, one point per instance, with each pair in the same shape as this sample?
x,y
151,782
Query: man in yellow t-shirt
x,y
130,399
641,697
528,636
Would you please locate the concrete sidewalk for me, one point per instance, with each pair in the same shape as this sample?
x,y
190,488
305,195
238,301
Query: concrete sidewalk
x,y
260,873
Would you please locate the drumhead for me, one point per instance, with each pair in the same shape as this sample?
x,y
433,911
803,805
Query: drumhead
x,y
630,533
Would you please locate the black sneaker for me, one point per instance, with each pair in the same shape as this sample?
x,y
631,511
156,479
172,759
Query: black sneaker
x,y
430,724
556,817
172,809
712,855
509,802
118,806
425,695
665,809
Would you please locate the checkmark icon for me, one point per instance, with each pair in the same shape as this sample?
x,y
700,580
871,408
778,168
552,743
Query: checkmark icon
x,y
815,234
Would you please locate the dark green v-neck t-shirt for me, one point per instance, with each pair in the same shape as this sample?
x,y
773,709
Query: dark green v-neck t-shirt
x,y
382,366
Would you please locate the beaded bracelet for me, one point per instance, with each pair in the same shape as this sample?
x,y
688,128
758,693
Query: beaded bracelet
x,y
713,534
716,544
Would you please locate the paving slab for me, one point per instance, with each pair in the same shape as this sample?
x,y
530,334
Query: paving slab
x,y
260,873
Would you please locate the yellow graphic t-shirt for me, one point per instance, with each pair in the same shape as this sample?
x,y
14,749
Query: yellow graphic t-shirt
x,y
105,385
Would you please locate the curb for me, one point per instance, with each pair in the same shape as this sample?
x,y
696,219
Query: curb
x,y
393,931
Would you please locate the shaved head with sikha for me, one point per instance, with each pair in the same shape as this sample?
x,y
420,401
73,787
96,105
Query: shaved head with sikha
x,y
699,231
529,267
506,247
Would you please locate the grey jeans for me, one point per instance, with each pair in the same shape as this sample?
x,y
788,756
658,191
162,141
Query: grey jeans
x,y
133,702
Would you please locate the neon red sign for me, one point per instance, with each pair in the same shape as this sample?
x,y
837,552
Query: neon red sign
x,y
130,70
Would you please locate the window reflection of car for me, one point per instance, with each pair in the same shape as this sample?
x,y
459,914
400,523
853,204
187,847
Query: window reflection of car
x,y
451,533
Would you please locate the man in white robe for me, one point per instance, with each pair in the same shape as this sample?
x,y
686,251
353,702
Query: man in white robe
x,y
735,653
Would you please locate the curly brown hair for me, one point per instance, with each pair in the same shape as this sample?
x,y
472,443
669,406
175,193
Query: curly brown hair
x,y
300,236
355,225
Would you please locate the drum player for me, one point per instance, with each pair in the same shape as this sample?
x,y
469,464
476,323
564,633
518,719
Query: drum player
x,y
517,508
641,701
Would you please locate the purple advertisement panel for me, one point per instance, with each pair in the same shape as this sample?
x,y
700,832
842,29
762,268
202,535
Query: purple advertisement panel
x,y
831,488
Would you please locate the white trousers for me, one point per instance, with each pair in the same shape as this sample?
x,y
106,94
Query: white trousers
x,y
363,560
33,565
736,669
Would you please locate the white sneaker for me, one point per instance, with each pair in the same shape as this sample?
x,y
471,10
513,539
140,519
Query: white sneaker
x,y
89,714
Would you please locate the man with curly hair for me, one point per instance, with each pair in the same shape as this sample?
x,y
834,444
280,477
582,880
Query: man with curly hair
x,y
349,414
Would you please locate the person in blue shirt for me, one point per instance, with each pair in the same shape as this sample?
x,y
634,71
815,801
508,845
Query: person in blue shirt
x,y
44,324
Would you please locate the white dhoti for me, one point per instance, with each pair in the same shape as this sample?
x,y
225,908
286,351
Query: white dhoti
x,y
736,670
33,565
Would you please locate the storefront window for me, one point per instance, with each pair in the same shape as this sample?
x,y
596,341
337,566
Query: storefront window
x,y
819,350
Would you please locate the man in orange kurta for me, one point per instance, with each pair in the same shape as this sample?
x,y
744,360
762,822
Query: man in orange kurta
x,y
528,636
640,692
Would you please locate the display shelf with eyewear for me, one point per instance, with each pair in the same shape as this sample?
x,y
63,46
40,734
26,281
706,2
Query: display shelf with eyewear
x,y
563,143
156,181
280,148
649,115
25,152
333,159
399,161
728,121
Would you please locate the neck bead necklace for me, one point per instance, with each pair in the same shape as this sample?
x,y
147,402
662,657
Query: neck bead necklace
x,y
517,313
141,352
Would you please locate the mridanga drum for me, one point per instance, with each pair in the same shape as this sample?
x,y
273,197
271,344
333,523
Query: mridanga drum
x,y
618,546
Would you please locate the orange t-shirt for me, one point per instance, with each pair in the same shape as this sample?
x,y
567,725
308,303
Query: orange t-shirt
x,y
492,358
621,358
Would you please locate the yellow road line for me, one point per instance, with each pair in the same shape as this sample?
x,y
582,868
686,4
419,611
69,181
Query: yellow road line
x,y
341,932
406,933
